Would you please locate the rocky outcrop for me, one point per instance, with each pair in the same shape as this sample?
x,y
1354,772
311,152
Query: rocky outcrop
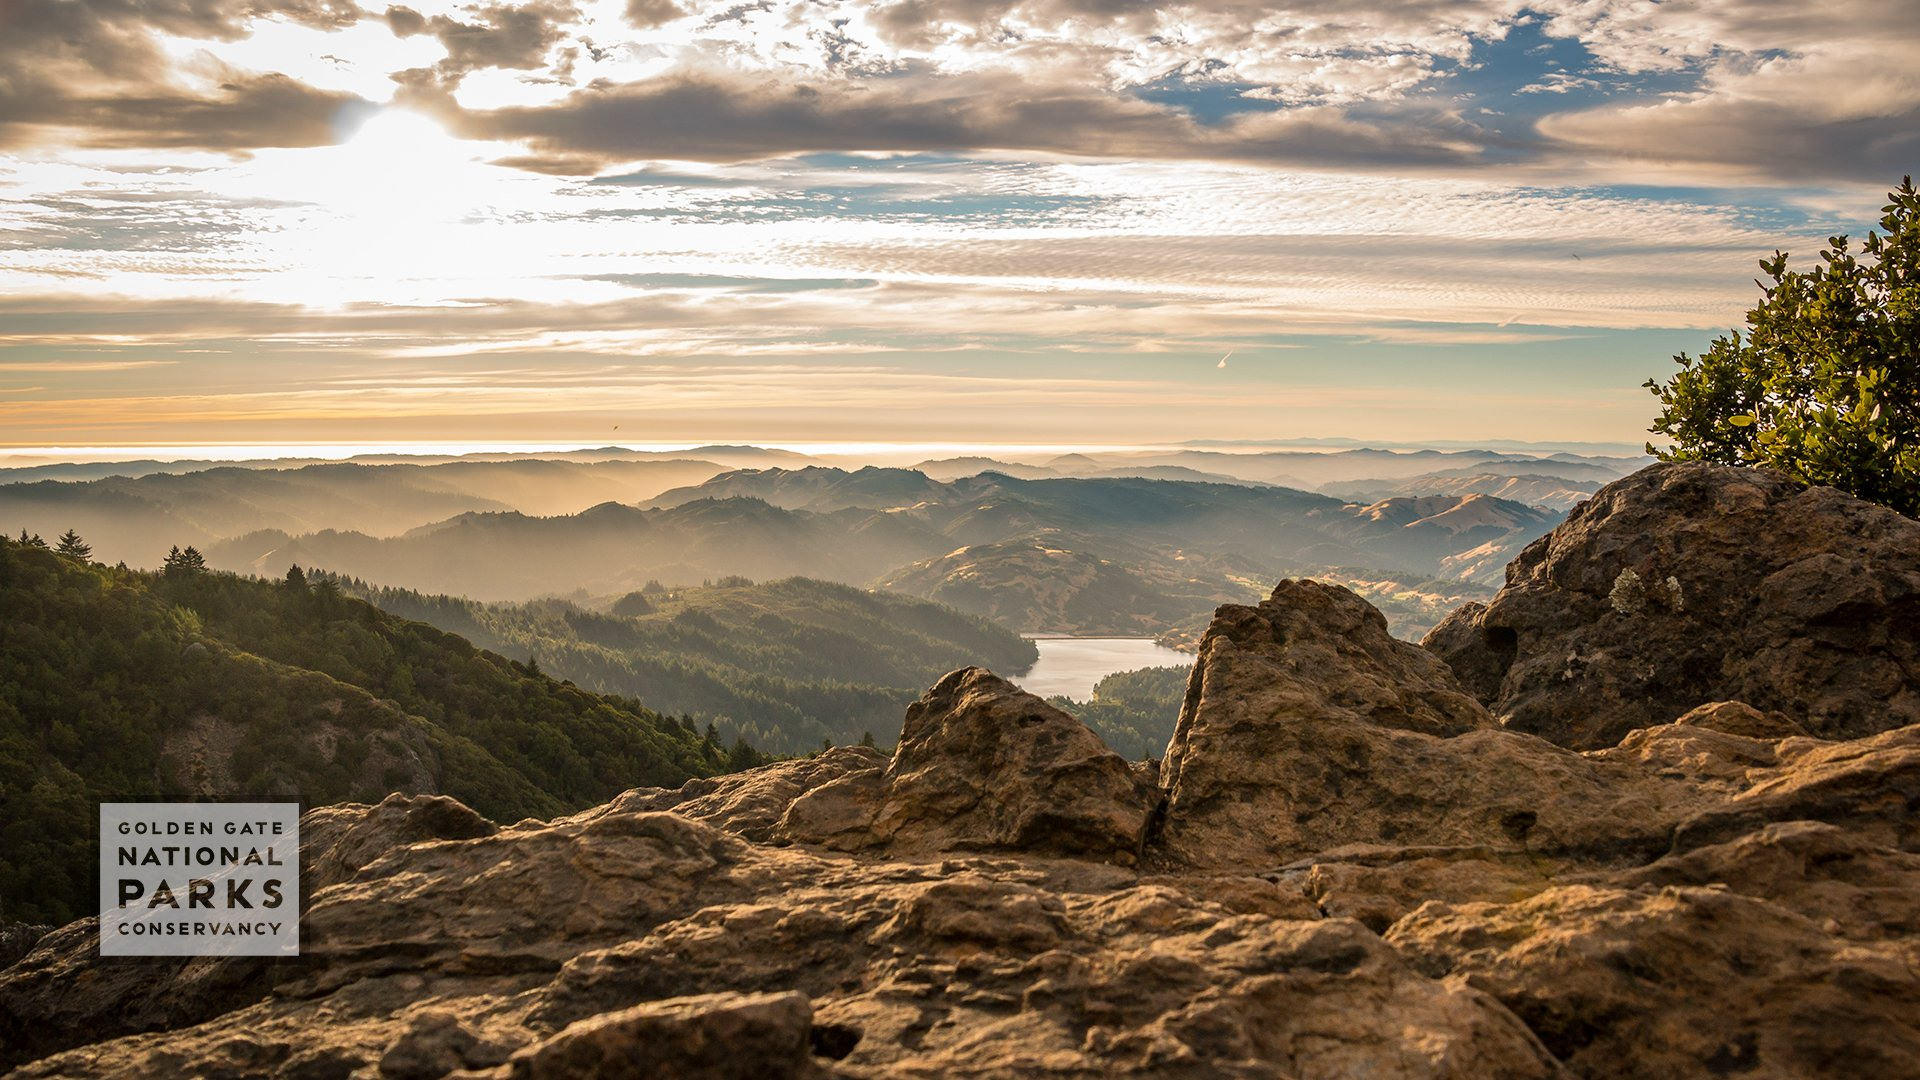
x,y
754,803
1307,728
1687,583
1348,869
983,764
61,990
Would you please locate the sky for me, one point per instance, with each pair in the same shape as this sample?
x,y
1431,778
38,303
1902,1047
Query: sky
x,y
1058,222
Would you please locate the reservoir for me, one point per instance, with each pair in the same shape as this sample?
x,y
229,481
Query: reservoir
x,y
1071,666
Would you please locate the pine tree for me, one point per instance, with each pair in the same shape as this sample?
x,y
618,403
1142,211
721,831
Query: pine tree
x,y
73,547
742,756
296,578
187,563
866,740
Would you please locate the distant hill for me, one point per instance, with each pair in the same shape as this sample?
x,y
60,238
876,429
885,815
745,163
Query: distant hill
x,y
1040,588
1549,491
1129,555
129,686
1313,469
786,663
133,520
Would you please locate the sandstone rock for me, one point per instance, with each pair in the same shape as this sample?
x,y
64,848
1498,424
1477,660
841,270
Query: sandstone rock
x,y
62,991
18,939
1848,885
1379,886
838,814
752,803
1685,584
1870,786
1740,718
1680,981
336,841
985,966
709,1037
1307,729
982,764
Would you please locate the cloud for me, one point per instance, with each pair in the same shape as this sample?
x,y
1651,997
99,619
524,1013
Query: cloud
x,y
94,73
1821,93
511,36
714,117
647,14
1849,115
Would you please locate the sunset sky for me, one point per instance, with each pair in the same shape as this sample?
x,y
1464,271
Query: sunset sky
x,y
1047,221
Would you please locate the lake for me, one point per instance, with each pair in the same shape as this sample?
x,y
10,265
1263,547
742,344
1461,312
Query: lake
x,y
1071,666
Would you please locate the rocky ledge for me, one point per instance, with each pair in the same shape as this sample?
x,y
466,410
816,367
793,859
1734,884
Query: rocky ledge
x,y
1353,862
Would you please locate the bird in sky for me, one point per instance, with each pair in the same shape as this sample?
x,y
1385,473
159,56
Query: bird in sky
x,y
1223,360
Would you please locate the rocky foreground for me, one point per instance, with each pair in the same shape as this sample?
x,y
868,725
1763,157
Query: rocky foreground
x,y
1583,854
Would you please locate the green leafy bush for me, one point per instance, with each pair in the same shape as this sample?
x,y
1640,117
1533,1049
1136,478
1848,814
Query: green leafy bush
x,y
1825,383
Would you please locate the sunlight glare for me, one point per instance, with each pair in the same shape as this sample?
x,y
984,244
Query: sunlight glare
x,y
402,167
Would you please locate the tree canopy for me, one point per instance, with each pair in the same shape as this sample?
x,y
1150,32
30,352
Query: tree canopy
x,y
1824,385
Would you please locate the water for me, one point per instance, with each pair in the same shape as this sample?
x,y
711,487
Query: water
x,y
1071,666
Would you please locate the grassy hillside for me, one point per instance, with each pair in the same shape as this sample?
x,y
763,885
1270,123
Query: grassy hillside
x,y
786,663
120,685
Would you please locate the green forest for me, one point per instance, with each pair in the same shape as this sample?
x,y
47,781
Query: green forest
x,y
785,664
1133,712
122,685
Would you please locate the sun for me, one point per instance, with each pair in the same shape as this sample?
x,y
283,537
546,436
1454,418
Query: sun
x,y
386,214
401,167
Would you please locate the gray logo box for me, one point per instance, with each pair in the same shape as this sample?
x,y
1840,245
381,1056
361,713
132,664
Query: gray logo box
x,y
199,879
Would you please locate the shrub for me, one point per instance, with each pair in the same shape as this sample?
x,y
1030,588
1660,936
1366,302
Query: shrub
x,y
1825,383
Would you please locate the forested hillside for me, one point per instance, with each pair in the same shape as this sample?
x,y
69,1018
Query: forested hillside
x,y
119,685
1133,712
785,663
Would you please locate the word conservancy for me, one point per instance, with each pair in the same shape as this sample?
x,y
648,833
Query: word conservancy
x,y
199,879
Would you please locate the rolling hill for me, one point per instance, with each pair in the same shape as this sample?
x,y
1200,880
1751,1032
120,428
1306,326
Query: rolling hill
x,y
127,518
1119,555
784,663
122,685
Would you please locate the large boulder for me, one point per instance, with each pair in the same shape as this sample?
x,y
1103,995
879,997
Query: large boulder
x,y
1308,728
983,764
1685,584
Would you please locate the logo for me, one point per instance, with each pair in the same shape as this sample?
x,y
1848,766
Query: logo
x,y
199,879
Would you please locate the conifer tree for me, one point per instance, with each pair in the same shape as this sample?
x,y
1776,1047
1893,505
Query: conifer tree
x,y
73,547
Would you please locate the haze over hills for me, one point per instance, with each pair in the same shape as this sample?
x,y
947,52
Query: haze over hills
x,y
735,457
132,519
1119,555
1552,492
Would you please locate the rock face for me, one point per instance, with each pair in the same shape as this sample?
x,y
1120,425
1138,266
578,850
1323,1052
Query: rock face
x,y
981,766
1685,584
1308,728
984,765
1348,871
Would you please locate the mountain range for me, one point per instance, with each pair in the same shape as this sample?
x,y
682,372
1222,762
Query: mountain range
x,y
1117,555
